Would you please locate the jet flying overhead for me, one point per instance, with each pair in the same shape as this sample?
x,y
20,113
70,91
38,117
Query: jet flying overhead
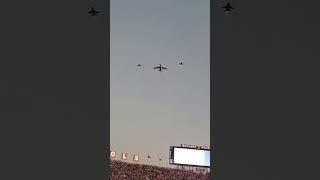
x,y
160,67
228,8
93,12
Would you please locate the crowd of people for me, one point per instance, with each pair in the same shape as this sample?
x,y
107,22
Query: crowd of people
x,y
120,170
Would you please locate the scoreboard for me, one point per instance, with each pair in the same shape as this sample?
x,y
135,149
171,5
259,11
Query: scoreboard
x,y
190,155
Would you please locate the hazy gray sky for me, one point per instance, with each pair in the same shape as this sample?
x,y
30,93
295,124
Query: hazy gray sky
x,y
151,110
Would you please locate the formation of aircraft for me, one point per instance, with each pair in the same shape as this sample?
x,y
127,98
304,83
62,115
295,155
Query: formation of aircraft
x,y
160,67
227,8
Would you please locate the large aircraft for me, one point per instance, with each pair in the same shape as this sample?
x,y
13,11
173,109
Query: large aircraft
x,y
228,7
160,67
93,12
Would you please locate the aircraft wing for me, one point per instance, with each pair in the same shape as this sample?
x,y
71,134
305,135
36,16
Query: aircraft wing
x,y
164,68
156,68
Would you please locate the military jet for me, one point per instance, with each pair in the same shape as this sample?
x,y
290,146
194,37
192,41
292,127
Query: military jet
x,y
160,67
139,65
228,8
93,12
180,63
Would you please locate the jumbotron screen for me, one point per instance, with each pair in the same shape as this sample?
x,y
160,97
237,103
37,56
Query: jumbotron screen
x,y
195,157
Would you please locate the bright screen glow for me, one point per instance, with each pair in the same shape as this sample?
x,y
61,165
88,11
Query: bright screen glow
x,y
191,157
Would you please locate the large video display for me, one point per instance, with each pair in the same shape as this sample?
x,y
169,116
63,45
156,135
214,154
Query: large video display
x,y
186,156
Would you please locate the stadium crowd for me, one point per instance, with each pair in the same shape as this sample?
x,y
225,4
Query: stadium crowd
x,y
124,171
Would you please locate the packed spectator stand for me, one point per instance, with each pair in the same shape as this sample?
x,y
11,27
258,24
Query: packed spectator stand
x,y
120,170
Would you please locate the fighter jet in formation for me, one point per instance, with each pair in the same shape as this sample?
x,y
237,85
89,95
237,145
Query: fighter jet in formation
x,y
228,8
93,12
